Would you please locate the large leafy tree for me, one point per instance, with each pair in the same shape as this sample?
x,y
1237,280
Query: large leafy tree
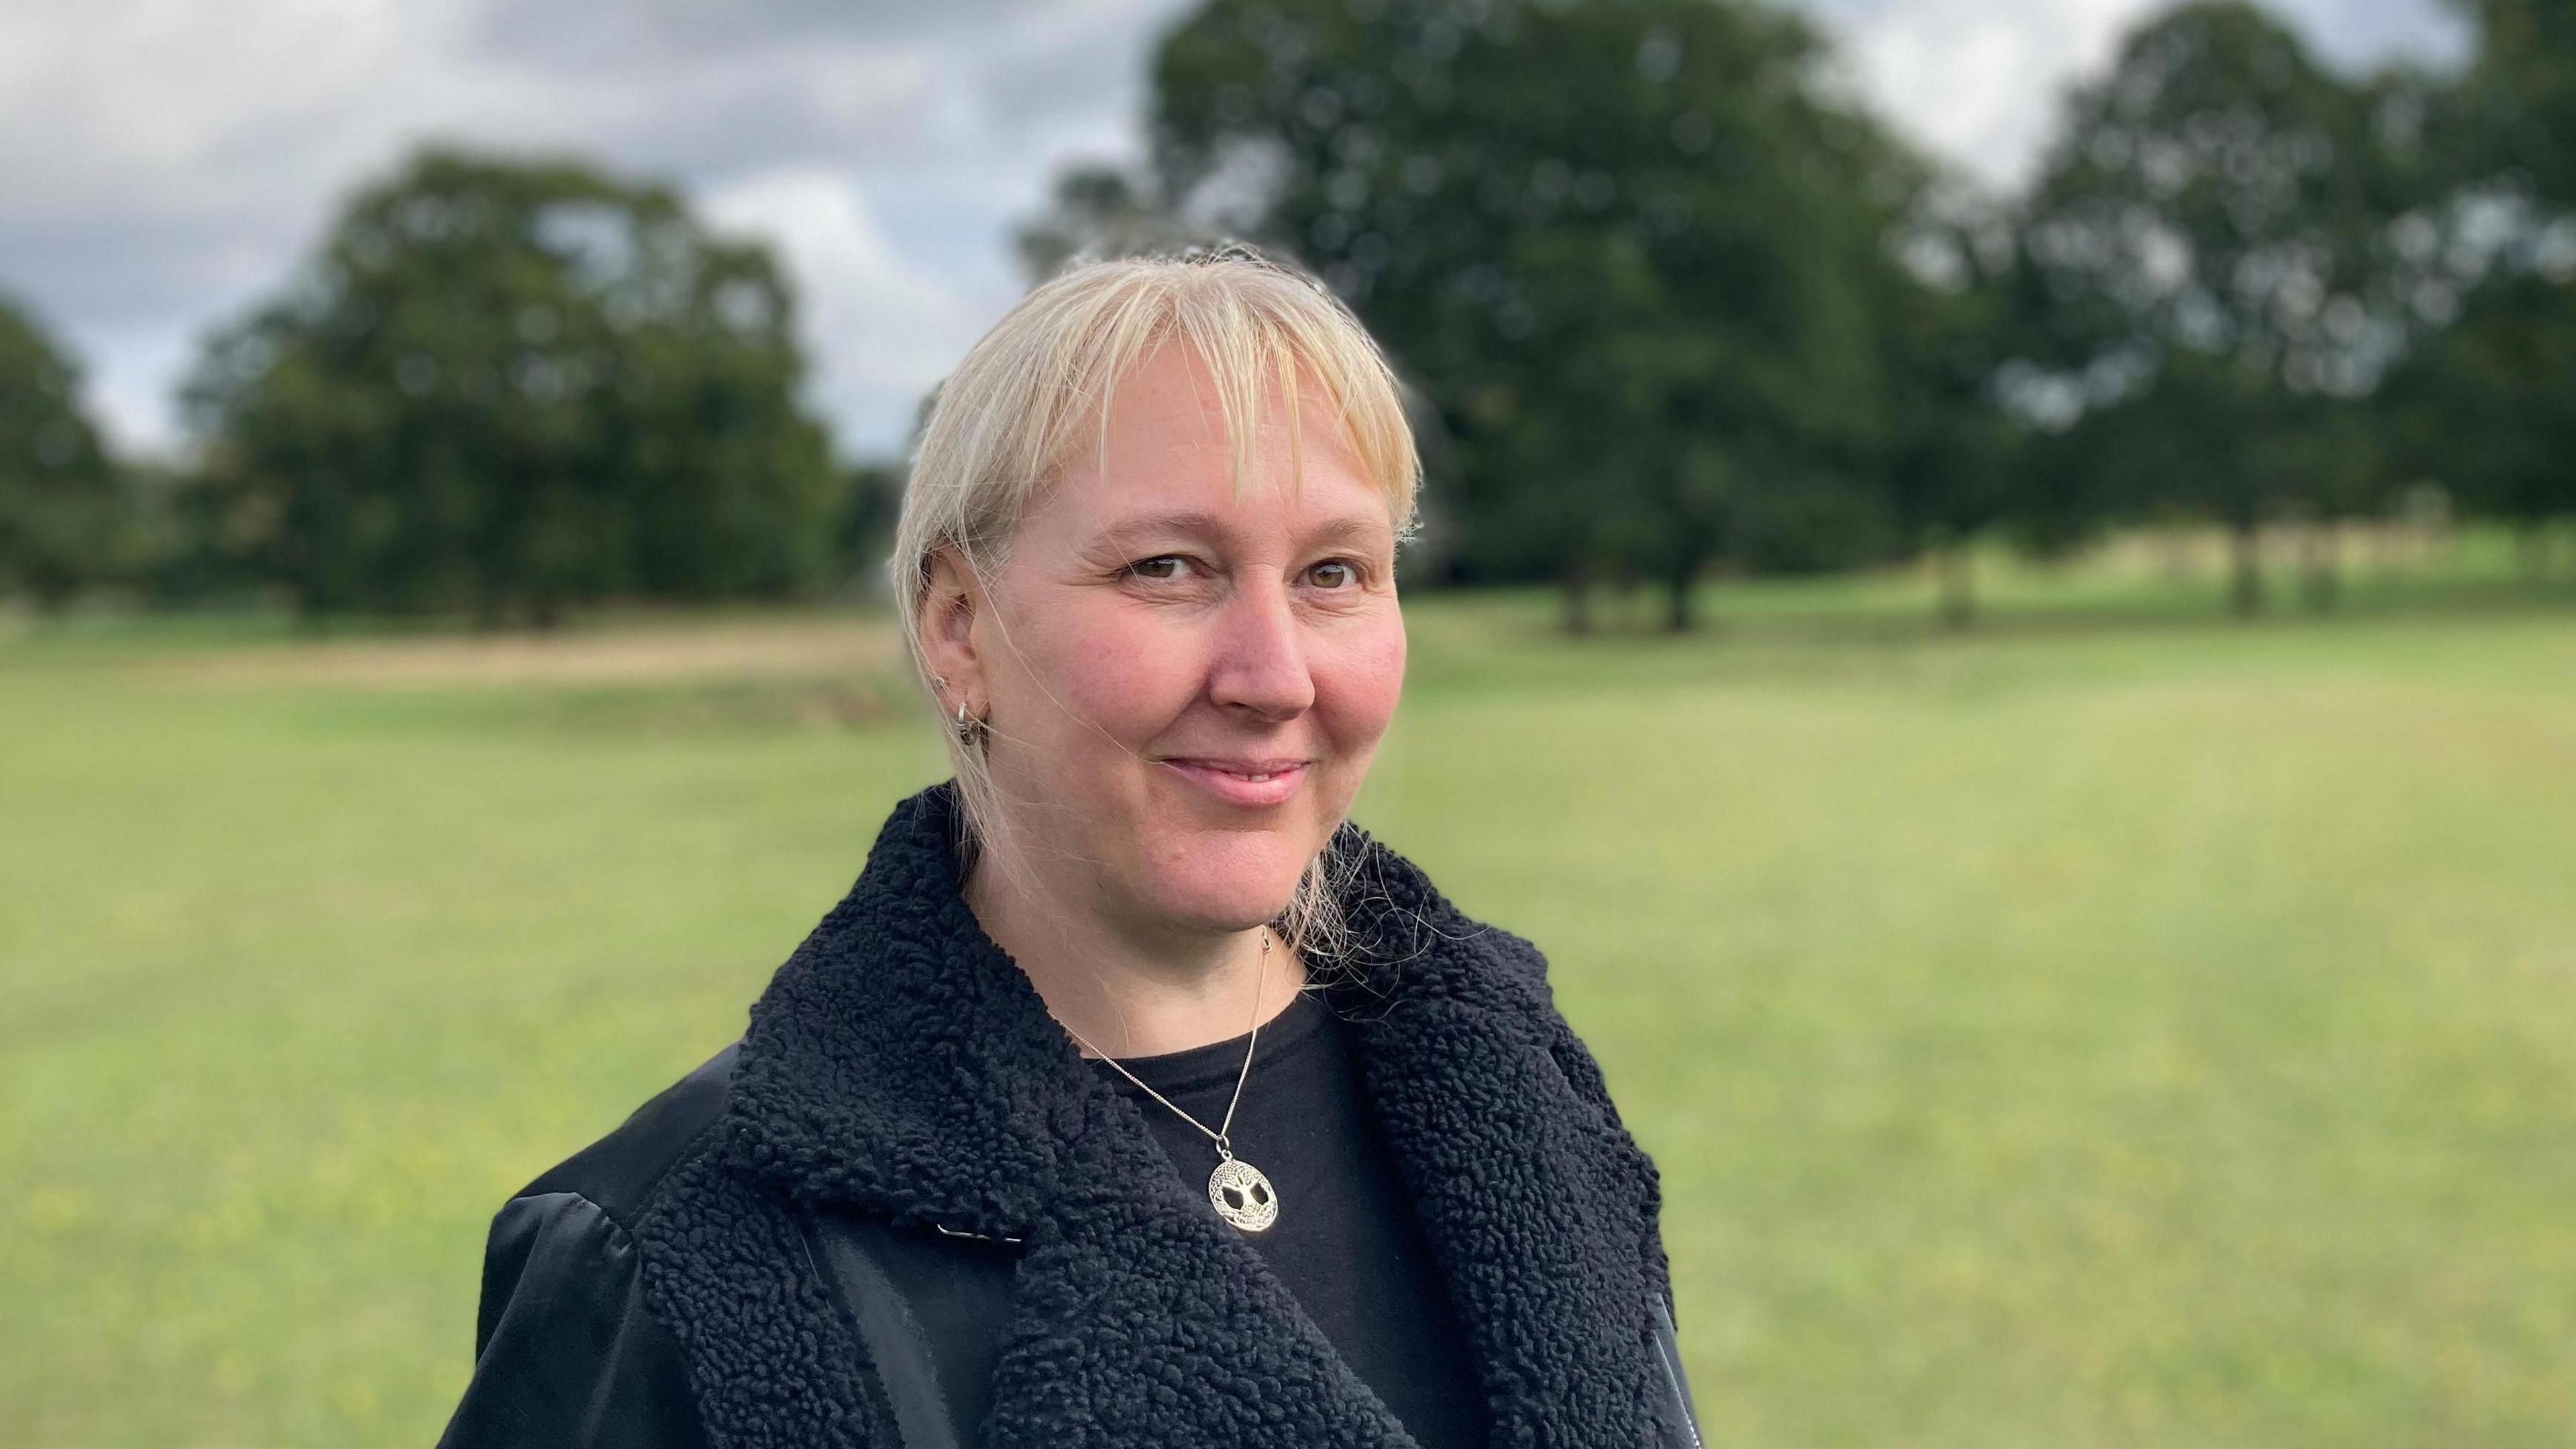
x,y
2519,97
1630,250
1951,464
2483,404
2205,247
508,386
59,512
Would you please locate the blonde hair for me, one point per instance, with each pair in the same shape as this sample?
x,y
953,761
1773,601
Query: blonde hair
x,y
1005,424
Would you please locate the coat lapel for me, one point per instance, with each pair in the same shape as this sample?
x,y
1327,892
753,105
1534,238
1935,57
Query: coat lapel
x,y
1540,1207
900,1065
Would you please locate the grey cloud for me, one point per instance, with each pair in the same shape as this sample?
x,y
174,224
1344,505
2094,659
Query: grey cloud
x,y
1058,75
620,34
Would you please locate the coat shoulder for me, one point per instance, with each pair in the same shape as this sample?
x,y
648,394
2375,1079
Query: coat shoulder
x,y
567,1350
622,1171
1517,952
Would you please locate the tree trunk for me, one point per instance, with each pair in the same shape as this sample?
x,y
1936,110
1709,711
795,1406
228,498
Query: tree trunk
x,y
1576,588
2531,548
2323,581
1623,597
2245,586
1956,569
1677,615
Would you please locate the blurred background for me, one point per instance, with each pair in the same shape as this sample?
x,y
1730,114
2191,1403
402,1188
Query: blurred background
x,y
1999,591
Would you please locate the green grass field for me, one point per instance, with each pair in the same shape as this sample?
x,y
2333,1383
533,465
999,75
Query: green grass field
x,y
2114,1026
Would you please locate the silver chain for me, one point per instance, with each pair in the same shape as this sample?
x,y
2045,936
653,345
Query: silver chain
x,y
1224,1151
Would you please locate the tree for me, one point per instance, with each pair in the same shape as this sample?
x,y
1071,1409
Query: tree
x,y
507,386
59,510
2519,97
1628,248
2205,239
871,506
1949,459
2483,403
1098,210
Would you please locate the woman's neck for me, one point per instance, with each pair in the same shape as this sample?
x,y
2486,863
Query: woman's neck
x,y
1134,992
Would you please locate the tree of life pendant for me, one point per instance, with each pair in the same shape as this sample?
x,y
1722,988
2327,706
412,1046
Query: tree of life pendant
x,y
1242,1195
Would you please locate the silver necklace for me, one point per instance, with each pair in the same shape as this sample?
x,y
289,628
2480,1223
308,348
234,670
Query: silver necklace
x,y
1237,1189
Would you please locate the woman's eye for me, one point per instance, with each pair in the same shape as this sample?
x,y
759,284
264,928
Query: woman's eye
x,y
1348,576
1146,568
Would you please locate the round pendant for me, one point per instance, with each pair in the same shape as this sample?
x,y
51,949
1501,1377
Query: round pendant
x,y
1242,1195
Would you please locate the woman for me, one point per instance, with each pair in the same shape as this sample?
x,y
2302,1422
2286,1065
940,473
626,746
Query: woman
x,y
1131,1096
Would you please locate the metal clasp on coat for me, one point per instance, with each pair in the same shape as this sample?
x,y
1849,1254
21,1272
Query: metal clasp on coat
x,y
978,1237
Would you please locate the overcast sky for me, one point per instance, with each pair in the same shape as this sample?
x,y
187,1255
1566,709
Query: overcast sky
x,y
164,163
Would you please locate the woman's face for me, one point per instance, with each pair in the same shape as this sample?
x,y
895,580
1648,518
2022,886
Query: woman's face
x,y
1186,687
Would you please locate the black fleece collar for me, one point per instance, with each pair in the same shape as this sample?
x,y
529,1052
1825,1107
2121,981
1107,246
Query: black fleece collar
x,y
901,1065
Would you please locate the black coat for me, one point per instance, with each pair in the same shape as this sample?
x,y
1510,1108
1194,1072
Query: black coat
x,y
903,1211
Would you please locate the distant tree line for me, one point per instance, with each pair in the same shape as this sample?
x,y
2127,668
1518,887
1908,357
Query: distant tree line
x,y
500,388
1670,304
1676,304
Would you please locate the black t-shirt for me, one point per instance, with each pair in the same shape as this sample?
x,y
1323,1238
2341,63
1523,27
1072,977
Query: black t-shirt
x,y
1346,1241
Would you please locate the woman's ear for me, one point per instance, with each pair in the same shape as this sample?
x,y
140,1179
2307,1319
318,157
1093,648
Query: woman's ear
x,y
949,608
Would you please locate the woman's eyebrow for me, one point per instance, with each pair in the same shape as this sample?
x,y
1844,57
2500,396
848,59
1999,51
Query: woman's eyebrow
x,y
1135,532
1195,523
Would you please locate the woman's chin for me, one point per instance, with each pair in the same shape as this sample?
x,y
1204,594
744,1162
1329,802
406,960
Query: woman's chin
x,y
1206,894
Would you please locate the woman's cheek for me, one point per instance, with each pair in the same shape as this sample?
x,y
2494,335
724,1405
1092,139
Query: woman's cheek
x,y
1361,679
1128,678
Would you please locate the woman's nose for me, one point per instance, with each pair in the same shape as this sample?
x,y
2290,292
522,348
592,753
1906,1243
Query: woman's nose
x,y
1260,652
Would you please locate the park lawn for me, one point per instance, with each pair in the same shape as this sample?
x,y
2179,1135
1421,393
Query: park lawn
x,y
2160,1033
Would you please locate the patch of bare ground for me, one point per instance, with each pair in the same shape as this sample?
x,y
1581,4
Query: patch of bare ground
x,y
678,653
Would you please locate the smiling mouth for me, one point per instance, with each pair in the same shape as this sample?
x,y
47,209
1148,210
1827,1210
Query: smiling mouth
x,y
1244,782
1247,769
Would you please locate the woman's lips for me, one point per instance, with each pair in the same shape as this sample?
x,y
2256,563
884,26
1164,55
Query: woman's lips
x,y
1236,785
